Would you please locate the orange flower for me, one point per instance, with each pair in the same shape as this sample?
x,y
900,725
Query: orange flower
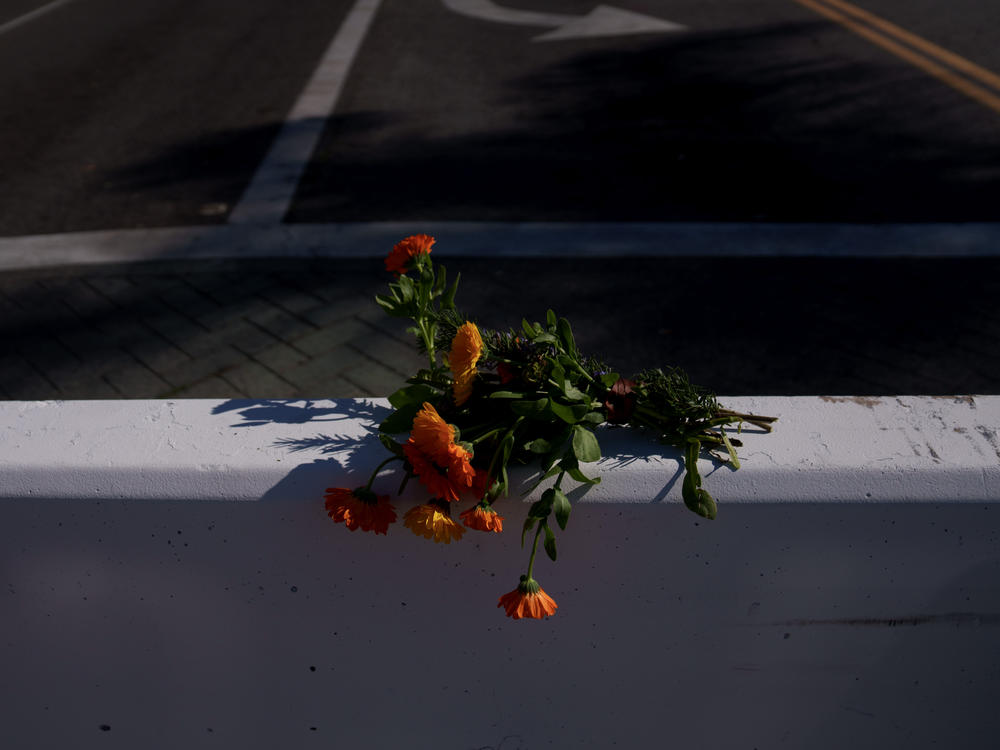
x,y
432,522
482,517
431,476
528,600
440,464
403,253
360,508
466,349
432,435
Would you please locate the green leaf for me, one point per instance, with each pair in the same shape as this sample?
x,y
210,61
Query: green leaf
x,y
529,330
695,498
585,445
698,500
550,318
569,465
542,507
594,418
507,394
565,413
405,286
391,445
729,447
539,445
610,378
400,420
529,408
561,507
550,543
448,300
545,338
573,393
557,373
566,335
550,473
440,282
413,394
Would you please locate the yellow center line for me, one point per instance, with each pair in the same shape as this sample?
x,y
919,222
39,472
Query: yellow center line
x,y
958,62
973,90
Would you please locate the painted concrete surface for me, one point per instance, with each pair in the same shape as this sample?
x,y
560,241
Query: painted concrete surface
x,y
506,239
824,449
156,612
263,624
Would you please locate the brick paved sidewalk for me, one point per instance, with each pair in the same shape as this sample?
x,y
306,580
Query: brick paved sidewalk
x,y
197,330
311,329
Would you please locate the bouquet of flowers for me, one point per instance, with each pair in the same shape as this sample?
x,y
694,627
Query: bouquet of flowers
x,y
497,398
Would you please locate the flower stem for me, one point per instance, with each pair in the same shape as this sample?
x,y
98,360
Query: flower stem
x,y
428,341
534,549
378,469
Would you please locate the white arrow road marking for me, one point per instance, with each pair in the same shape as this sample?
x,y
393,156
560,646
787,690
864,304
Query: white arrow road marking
x,y
603,20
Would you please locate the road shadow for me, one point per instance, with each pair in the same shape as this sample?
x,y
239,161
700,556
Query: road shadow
x,y
739,326
741,125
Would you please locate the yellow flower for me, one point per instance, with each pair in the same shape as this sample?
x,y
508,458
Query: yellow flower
x,y
466,349
431,522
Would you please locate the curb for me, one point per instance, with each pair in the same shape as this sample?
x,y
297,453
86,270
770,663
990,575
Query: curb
x,y
505,239
823,450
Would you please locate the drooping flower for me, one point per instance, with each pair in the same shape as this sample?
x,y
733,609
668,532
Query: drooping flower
x,y
432,521
360,509
528,600
442,465
482,517
402,255
466,349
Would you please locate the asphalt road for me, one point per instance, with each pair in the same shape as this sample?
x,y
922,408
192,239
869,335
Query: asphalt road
x,y
159,113
146,113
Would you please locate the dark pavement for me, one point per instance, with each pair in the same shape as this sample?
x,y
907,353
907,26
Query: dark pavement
x,y
158,114
297,329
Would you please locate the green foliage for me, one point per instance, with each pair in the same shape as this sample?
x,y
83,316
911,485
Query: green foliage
x,y
538,400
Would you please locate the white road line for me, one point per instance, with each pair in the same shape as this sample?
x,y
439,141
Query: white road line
x,y
269,194
603,20
31,16
511,240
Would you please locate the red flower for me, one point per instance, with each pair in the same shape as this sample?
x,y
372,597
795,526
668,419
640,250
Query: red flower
x,y
506,372
402,255
360,509
620,401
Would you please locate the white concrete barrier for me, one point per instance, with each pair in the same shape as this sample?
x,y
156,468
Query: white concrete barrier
x,y
847,595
